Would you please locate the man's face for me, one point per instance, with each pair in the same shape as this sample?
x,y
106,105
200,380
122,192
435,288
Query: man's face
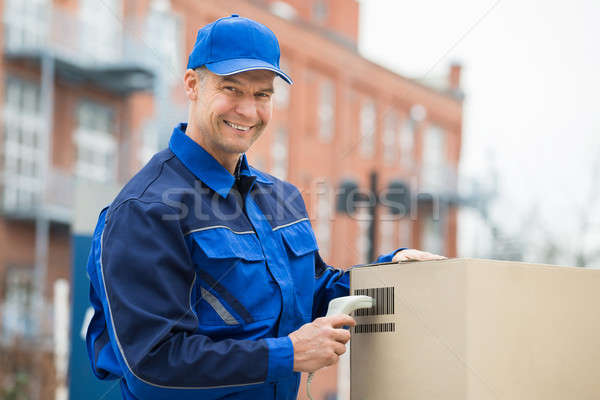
x,y
233,111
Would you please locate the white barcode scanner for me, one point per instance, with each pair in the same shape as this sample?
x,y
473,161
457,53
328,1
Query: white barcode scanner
x,y
343,305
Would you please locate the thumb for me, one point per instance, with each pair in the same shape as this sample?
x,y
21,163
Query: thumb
x,y
340,320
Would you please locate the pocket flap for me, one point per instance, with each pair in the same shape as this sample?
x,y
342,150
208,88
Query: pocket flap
x,y
222,242
299,237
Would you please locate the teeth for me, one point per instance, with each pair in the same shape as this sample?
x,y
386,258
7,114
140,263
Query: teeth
x,y
240,127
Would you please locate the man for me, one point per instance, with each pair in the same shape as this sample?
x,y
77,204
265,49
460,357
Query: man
x,y
205,273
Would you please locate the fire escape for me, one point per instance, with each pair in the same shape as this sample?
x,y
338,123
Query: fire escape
x,y
77,47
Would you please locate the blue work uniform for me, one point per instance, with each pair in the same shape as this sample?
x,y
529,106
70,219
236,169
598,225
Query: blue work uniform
x,y
197,277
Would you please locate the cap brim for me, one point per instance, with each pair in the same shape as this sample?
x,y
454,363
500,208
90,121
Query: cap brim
x,y
237,65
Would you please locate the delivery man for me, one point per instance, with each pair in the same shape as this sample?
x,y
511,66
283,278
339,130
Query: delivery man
x,y
205,274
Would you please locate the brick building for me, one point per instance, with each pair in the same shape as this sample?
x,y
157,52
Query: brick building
x,y
90,90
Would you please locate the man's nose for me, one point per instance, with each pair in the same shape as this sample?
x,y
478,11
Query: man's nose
x,y
246,107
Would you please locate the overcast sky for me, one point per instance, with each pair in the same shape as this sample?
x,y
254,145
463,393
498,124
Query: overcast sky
x,y
532,81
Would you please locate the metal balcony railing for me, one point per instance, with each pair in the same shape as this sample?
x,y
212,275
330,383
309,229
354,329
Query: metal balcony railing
x,y
54,200
116,60
59,195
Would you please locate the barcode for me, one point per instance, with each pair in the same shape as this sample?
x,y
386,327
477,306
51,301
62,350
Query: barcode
x,y
375,328
384,301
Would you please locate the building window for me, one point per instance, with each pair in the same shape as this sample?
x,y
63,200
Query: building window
x,y
326,111
279,153
102,29
389,137
18,311
283,10
25,23
433,234
406,143
323,225
367,128
23,153
96,143
434,158
281,96
163,35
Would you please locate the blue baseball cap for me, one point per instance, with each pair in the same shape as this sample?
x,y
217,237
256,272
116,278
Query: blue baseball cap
x,y
235,44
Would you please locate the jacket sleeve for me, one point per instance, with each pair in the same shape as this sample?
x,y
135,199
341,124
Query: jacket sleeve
x,y
331,282
147,277
102,358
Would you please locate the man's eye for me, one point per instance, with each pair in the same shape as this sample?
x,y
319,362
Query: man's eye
x,y
264,95
230,89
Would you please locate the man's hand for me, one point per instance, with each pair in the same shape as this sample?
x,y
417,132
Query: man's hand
x,y
321,342
415,255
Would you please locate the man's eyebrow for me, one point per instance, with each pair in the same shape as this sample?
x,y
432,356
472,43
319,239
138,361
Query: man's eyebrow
x,y
230,79
233,80
268,90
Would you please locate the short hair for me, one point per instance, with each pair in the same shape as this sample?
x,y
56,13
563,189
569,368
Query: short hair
x,y
202,74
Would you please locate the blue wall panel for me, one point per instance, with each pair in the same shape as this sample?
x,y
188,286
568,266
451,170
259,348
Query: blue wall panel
x,y
82,382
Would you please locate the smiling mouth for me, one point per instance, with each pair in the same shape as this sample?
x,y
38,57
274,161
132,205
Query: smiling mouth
x,y
241,128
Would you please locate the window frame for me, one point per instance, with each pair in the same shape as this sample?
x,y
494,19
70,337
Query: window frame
x,y
18,317
368,127
100,145
23,130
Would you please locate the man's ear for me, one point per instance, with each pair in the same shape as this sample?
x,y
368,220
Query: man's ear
x,y
191,84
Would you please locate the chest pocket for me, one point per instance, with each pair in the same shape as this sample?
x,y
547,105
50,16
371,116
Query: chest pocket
x,y
233,287
301,244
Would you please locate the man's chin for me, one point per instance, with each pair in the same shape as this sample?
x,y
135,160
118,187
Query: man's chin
x,y
240,145
235,148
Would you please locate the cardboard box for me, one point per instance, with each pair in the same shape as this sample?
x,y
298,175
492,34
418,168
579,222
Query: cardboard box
x,y
477,330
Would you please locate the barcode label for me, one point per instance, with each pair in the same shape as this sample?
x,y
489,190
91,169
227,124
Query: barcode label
x,y
375,328
384,301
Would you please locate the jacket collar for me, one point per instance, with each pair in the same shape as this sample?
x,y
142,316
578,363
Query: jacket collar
x,y
205,167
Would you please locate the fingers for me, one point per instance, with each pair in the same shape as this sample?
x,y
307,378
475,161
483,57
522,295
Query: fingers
x,y
332,359
319,343
337,321
339,348
415,255
418,255
340,335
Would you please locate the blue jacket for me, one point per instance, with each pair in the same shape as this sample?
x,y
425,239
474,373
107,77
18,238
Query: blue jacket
x,y
198,277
